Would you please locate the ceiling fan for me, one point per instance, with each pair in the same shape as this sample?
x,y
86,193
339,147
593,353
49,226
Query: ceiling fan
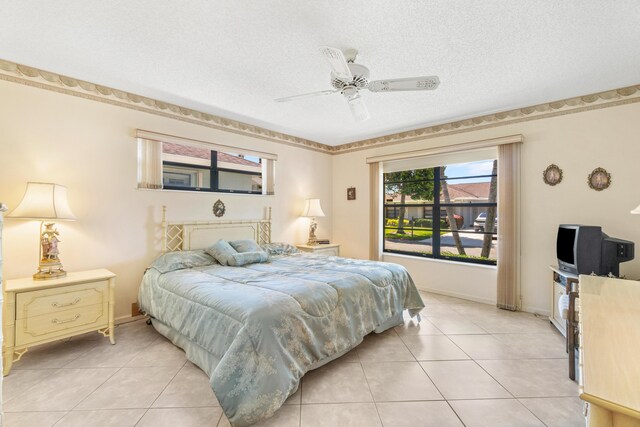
x,y
348,78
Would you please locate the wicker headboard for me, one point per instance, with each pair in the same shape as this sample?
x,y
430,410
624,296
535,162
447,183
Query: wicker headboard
x,y
184,236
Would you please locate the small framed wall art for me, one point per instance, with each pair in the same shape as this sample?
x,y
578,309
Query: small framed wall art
x,y
552,175
219,208
351,193
599,179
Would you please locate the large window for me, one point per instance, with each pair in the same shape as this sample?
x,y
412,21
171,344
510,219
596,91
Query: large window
x,y
446,212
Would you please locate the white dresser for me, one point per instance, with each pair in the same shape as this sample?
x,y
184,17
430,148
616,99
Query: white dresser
x,y
40,311
609,337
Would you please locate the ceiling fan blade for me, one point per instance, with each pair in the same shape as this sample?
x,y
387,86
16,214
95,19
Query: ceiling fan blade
x,y
305,95
358,108
410,83
337,62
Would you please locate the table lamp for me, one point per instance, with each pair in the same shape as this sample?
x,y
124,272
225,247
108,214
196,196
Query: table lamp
x,y
46,202
312,209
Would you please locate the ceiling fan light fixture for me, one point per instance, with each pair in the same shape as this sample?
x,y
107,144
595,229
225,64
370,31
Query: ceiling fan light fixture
x,y
348,78
358,108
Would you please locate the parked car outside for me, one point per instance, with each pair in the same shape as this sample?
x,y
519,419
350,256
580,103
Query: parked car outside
x,y
478,223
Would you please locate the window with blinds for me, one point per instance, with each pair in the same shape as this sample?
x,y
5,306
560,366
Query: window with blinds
x,y
170,163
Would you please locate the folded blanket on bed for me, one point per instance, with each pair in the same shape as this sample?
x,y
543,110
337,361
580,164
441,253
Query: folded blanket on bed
x,y
256,330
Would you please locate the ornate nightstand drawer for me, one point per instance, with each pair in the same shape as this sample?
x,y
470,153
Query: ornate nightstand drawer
x,y
36,303
331,249
59,324
327,251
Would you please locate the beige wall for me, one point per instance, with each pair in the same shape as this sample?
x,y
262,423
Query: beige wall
x,y
578,143
89,146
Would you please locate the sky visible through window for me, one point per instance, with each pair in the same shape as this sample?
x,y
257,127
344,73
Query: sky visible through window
x,y
482,167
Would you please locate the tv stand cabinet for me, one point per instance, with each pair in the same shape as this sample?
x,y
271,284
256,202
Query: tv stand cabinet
x,y
566,284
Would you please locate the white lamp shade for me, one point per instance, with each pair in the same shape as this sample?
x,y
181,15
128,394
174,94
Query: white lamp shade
x,y
312,208
44,201
636,210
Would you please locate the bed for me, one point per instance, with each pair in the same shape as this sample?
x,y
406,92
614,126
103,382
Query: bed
x,y
257,329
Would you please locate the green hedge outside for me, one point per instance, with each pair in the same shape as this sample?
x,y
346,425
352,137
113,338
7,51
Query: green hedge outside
x,y
417,222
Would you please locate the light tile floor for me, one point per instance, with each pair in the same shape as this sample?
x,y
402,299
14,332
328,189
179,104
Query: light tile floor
x,y
465,364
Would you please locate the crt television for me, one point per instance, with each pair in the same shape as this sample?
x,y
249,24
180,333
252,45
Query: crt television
x,y
585,249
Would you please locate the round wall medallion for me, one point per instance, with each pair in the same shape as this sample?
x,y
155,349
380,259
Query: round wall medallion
x,y
552,175
219,208
599,179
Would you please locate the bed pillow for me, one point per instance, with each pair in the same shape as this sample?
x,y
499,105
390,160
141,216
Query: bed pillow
x,y
244,258
182,259
221,251
278,248
245,245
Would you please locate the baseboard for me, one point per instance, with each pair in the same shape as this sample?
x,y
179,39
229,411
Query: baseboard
x,y
128,318
543,312
456,295
536,310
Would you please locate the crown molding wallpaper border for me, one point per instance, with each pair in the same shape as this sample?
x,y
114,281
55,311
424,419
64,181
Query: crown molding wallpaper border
x,y
611,98
30,76
17,73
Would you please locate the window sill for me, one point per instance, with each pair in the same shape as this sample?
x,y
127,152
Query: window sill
x,y
203,192
440,260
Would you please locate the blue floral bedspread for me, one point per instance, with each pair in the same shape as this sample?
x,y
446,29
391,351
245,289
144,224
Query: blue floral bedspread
x,y
263,326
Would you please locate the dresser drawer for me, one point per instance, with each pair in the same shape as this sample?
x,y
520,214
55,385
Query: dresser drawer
x,y
327,251
62,323
45,301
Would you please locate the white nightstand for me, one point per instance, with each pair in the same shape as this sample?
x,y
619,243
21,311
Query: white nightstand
x,y
36,312
332,249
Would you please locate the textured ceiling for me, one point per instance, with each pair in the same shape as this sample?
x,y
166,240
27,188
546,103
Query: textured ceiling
x,y
232,58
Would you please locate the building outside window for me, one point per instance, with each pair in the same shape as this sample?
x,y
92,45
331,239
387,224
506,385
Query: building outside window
x,y
187,167
445,212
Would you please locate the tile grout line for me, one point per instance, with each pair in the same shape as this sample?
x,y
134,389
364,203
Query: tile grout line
x,y
97,387
456,414
494,378
60,419
5,400
474,361
509,391
90,349
217,422
436,386
169,382
143,415
163,389
532,413
375,405
105,381
57,371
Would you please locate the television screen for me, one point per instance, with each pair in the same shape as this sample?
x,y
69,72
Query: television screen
x,y
565,244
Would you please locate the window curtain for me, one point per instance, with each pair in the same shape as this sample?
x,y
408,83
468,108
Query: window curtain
x,y
509,226
375,188
149,163
268,176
